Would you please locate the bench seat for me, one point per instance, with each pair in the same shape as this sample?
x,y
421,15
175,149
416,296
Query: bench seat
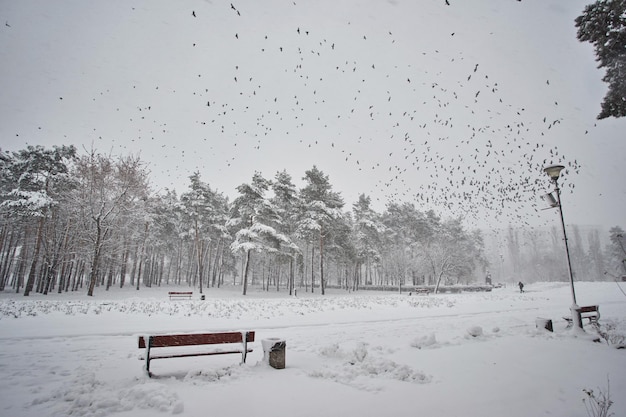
x,y
591,313
176,345
180,294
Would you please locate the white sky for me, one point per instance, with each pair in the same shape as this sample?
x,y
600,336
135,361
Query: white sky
x,y
400,100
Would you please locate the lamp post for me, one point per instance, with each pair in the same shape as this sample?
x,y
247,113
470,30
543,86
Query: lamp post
x,y
553,172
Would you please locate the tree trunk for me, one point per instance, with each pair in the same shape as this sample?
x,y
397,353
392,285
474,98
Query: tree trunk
x,y
312,269
66,274
142,254
110,274
9,255
33,266
322,284
125,255
291,277
93,276
278,276
133,269
215,263
245,273
161,271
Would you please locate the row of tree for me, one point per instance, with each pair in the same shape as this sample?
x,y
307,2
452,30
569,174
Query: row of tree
x,y
538,255
70,221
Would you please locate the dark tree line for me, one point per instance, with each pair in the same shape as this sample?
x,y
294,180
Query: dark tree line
x,y
538,255
71,222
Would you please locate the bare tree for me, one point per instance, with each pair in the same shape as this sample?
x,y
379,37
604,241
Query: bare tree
x,y
108,189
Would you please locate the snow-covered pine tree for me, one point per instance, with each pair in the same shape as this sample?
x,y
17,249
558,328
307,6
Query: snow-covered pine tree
x,y
255,217
603,24
33,180
368,232
321,207
286,203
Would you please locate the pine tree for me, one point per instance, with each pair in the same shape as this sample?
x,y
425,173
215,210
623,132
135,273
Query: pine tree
x,y
34,179
368,231
257,219
321,207
603,24
205,214
286,203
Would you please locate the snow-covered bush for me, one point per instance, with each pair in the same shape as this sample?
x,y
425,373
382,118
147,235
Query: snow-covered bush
x,y
424,341
612,333
475,331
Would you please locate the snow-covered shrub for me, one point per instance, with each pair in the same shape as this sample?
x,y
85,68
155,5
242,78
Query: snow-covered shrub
x,y
424,341
475,331
613,333
359,353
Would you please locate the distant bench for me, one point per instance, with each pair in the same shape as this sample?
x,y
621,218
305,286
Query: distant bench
x,y
420,291
173,341
180,294
592,313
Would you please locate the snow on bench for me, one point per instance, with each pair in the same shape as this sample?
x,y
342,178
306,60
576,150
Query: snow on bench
x,y
180,294
592,313
166,345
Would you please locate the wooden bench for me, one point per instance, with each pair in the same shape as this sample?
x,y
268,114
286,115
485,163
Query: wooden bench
x,y
592,313
173,341
180,294
420,291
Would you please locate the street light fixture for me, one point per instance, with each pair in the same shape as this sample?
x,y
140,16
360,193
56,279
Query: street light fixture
x,y
553,172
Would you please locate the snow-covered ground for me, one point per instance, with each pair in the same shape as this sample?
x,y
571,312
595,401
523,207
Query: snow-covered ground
x,y
357,354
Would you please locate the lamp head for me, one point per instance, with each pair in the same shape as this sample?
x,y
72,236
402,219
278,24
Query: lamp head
x,y
553,171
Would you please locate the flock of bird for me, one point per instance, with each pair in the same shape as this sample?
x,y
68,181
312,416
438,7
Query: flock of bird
x,y
433,128
489,166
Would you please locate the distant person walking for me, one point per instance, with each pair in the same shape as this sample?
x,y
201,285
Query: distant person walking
x,y
521,286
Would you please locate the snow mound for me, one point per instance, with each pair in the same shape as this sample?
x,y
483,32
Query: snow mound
x,y
475,331
423,342
88,397
363,369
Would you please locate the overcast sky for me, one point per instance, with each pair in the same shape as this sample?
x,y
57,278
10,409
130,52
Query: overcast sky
x,y
455,108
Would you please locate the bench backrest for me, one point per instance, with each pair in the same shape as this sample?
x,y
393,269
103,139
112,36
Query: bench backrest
x,y
180,292
588,309
196,339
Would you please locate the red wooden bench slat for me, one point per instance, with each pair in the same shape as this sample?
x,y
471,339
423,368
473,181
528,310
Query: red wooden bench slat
x,y
195,339
588,309
180,294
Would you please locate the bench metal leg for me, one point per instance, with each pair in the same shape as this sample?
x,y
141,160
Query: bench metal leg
x,y
244,354
148,356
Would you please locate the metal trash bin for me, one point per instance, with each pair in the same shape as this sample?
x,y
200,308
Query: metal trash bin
x,y
541,323
202,297
274,350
